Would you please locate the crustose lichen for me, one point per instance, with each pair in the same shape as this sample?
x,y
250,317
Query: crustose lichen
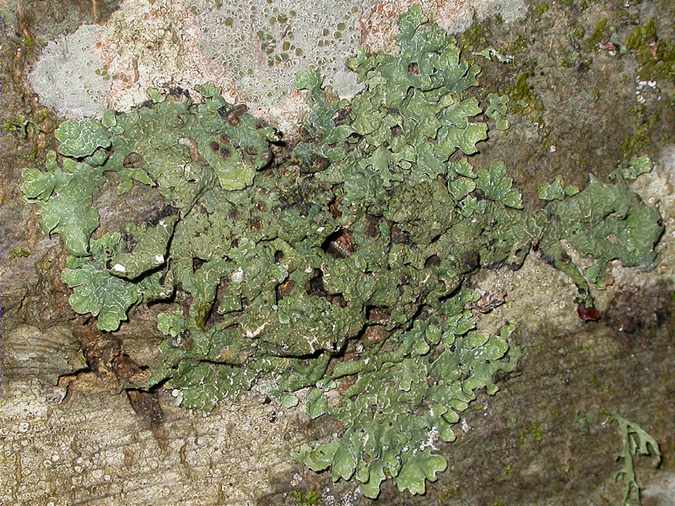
x,y
334,272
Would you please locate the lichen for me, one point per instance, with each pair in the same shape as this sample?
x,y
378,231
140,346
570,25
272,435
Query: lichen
x,y
332,273
636,441
604,222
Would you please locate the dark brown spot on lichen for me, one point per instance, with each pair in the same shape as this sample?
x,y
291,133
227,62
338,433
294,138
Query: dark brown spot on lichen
x,y
342,115
377,314
373,226
334,207
339,244
234,115
132,160
284,289
399,236
375,334
314,285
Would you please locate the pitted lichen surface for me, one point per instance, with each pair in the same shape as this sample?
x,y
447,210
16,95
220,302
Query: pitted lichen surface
x,y
331,273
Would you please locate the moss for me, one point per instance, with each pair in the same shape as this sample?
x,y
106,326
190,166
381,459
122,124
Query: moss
x,y
17,126
537,432
579,32
103,72
305,497
530,435
19,252
640,139
475,38
596,382
600,33
518,46
538,10
655,56
642,35
448,492
524,100
521,89
29,43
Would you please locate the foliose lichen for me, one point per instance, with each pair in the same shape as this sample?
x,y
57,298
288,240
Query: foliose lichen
x,y
332,272
636,441
603,222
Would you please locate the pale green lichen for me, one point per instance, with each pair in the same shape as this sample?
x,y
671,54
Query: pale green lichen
x,y
557,190
496,110
78,139
96,290
65,198
636,441
604,222
632,169
338,268
149,251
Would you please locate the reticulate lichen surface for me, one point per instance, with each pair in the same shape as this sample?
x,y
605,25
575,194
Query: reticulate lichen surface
x,y
332,274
